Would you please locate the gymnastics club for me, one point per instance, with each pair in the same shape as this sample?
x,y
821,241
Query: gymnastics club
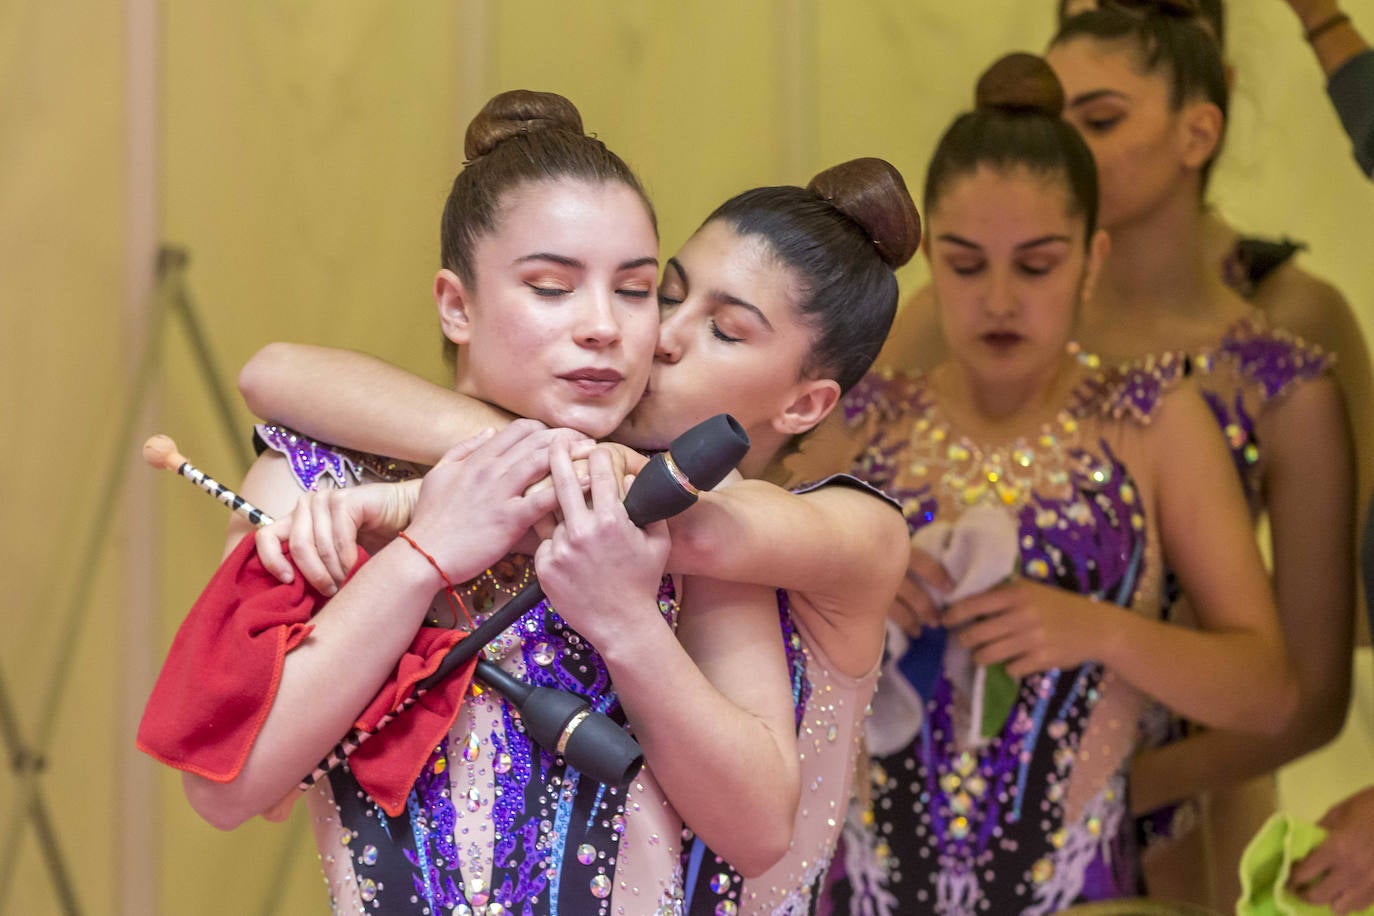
x,y
550,716
591,742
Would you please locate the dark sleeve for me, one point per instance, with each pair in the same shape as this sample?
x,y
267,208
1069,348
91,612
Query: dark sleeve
x,y
1352,92
1367,562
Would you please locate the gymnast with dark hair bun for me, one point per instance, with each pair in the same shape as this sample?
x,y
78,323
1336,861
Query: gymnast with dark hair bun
x,y
773,309
1146,86
1046,494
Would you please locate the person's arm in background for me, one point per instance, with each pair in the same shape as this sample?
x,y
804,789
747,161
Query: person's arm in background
x,y
1346,59
1340,871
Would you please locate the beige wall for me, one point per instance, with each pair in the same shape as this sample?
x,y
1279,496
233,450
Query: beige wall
x,y
305,148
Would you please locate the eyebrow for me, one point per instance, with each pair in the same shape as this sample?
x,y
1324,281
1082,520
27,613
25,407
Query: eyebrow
x,y
723,297
1094,95
578,265
1029,243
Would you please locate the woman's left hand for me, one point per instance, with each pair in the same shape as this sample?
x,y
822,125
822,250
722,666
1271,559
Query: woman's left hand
x,y
1030,627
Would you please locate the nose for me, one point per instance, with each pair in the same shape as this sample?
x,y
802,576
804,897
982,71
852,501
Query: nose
x,y
1001,295
669,347
598,322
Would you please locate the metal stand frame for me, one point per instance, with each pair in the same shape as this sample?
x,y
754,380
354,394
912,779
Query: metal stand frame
x,y
28,757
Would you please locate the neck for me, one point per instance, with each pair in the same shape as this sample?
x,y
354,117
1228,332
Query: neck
x,y
1002,405
1157,262
765,452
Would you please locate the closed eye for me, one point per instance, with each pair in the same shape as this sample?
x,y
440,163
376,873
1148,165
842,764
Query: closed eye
x,y
721,335
548,292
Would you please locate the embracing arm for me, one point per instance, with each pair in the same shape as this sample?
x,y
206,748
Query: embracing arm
x,y
840,551
1308,493
357,400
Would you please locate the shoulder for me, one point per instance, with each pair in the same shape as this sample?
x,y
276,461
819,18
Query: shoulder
x,y
311,462
1272,358
916,340
1134,390
884,395
1309,306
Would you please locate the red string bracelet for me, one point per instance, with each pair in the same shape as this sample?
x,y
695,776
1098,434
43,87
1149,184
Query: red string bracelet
x,y
449,588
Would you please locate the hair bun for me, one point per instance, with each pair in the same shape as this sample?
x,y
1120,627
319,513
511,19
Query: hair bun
x,y
515,112
1020,83
873,194
1181,8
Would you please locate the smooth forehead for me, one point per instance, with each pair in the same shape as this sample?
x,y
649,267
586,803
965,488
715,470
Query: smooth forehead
x,y
1087,64
718,253
1006,201
573,214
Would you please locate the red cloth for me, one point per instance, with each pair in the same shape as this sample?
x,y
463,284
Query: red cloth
x,y
222,672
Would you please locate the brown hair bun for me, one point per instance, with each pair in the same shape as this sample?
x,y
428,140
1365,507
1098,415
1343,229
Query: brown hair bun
x,y
872,193
515,112
1020,83
1181,8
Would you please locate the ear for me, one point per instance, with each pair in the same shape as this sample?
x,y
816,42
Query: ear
x,y
1098,249
812,401
451,297
1201,125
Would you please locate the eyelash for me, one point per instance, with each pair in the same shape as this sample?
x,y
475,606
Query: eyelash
x,y
1026,269
721,335
1101,125
554,292
548,292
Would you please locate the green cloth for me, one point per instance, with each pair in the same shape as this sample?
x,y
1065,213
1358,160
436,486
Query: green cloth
x,y
1268,861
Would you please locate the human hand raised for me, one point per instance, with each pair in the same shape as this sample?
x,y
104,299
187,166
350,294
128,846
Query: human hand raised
x,y
1030,627
1340,872
624,461
474,505
1313,12
326,527
600,572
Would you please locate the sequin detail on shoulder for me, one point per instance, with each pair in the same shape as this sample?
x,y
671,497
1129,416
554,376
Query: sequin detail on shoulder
x,y
1272,358
1131,389
312,460
889,394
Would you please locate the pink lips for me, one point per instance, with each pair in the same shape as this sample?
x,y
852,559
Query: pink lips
x,y
593,382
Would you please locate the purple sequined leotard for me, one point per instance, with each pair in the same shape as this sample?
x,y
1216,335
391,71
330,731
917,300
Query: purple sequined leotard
x,y
495,824
1033,818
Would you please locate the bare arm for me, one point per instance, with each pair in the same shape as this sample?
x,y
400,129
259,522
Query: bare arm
x,y
713,699
821,544
365,628
371,621
1313,308
841,552
357,400
1230,673
1334,46
1311,512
